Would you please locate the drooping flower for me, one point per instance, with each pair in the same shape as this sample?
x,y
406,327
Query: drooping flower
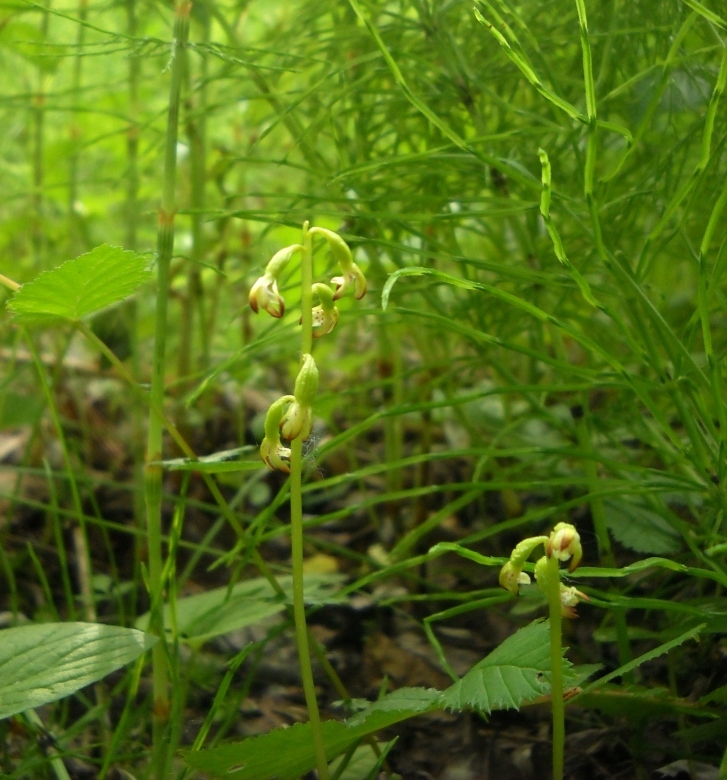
x,y
275,456
298,419
352,276
569,598
272,451
512,575
511,578
564,544
264,294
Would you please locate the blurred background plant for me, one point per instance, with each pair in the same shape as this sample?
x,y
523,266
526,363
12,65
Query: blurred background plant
x,y
542,357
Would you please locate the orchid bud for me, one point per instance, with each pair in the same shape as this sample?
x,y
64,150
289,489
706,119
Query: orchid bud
x,y
543,576
273,453
298,419
564,544
352,274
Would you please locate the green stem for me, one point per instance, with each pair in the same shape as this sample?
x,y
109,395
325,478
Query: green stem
x,y
153,472
556,665
296,525
74,217
306,292
132,132
196,130
130,312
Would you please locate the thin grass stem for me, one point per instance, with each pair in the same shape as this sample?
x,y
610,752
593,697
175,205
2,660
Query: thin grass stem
x,y
153,471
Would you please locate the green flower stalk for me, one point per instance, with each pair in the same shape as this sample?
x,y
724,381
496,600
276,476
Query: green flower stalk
x,y
292,416
563,544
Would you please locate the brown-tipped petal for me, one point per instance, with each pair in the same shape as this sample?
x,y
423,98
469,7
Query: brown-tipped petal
x,y
275,456
576,559
264,295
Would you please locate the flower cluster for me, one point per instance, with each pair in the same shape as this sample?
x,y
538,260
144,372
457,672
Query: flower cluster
x,y
264,294
563,544
292,415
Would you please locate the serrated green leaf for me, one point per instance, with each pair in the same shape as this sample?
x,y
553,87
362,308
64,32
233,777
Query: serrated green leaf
x,y
90,282
514,672
219,611
286,754
412,700
639,528
42,663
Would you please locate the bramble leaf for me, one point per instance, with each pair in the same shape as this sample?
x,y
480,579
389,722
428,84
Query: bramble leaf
x,y
90,282
42,663
639,528
512,673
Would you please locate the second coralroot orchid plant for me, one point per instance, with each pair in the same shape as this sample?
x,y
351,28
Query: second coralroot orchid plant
x,y
290,418
563,544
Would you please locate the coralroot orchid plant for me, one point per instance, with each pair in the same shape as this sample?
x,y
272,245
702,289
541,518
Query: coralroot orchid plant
x,y
563,544
290,418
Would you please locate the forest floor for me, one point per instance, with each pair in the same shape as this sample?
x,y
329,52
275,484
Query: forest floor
x,y
374,639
